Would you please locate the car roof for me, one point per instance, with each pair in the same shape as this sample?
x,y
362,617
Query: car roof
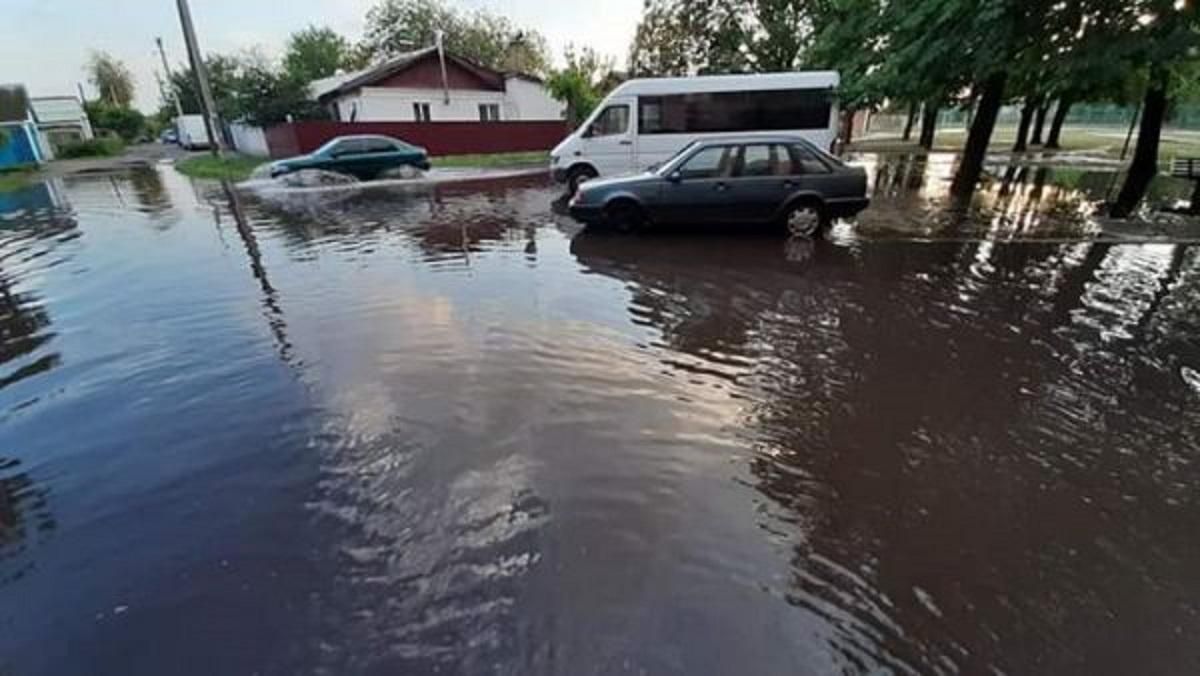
x,y
757,138
360,137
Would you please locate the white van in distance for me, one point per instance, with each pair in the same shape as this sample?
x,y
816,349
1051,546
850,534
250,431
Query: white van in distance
x,y
645,122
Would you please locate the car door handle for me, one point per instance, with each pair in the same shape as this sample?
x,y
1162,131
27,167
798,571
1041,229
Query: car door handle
x,y
626,142
789,184
721,186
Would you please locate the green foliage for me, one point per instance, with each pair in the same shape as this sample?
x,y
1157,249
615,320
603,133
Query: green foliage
x,y
582,84
15,178
314,53
4,137
98,147
398,26
112,78
247,88
232,167
123,121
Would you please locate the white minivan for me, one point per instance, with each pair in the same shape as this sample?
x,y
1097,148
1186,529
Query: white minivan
x,y
645,122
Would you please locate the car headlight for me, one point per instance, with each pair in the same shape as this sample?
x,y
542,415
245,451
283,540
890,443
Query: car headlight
x,y
553,160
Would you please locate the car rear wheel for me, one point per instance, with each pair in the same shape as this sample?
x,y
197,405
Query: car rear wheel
x,y
577,176
624,216
805,220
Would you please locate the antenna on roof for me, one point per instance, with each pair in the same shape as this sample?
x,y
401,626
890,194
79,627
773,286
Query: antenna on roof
x,y
442,59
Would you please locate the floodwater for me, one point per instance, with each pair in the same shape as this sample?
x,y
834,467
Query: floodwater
x,y
443,430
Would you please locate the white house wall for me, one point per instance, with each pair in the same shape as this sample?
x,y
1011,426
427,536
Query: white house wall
x,y
523,100
378,104
528,100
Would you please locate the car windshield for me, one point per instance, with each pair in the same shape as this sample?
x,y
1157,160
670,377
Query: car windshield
x,y
659,168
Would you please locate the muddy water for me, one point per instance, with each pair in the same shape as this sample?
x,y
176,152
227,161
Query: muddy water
x,y
442,430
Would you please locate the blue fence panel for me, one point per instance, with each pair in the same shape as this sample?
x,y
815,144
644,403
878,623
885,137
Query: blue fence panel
x,y
18,148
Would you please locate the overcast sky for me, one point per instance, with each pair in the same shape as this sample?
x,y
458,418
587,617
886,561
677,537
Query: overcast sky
x,y
46,42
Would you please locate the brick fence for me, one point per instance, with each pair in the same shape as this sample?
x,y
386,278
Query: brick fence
x,y
439,138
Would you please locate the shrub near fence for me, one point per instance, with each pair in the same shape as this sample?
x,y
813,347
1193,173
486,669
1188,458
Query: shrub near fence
x,y
439,138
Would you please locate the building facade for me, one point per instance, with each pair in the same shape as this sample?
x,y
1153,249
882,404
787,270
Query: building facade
x,y
421,86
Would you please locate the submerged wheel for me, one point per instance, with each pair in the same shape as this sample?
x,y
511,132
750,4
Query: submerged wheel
x,y
805,220
624,216
577,176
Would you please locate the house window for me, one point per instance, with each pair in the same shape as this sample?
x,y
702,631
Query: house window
x,y
489,112
421,112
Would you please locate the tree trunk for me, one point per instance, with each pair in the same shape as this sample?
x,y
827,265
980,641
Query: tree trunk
x,y
1039,122
1145,155
1194,208
847,127
1056,125
1027,112
912,119
929,117
982,125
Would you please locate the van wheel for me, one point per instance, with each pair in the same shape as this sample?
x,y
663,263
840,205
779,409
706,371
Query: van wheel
x,y
805,220
577,176
624,216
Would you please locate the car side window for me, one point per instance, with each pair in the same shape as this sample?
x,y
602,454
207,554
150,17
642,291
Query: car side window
x,y
347,147
611,121
806,161
714,162
765,160
379,145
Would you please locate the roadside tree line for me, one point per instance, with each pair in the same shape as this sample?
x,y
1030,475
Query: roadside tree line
x,y
926,55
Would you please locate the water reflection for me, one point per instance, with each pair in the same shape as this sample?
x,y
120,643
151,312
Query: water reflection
x,y
25,519
933,442
493,442
1017,201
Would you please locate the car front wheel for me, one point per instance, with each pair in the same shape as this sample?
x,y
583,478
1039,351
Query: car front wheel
x,y
805,220
624,216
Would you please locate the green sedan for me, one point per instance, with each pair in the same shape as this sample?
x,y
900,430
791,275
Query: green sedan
x,y
364,157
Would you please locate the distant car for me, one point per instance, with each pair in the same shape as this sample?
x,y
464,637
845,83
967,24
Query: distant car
x,y
764,179
169,137
363,157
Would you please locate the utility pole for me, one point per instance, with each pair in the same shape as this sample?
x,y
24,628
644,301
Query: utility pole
x,y
211,123
170,84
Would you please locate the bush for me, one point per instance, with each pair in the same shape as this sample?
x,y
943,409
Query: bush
x,y
125,122
99,147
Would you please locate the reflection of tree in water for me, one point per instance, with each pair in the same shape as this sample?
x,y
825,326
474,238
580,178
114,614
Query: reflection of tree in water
x,y
940,440
22,333
148,190
910,197
24,518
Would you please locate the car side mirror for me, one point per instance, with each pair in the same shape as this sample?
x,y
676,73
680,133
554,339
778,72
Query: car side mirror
x,y
675,176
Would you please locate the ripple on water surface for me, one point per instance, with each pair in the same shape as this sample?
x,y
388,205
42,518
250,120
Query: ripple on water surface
x,y
440,428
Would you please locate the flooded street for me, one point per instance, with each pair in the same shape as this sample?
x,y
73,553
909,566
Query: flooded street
x,y
442,429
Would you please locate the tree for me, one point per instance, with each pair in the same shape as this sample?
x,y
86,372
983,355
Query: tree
x,y
112,78
398,26
661,44
314,53
1168,33
584,81
249,88
123,121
